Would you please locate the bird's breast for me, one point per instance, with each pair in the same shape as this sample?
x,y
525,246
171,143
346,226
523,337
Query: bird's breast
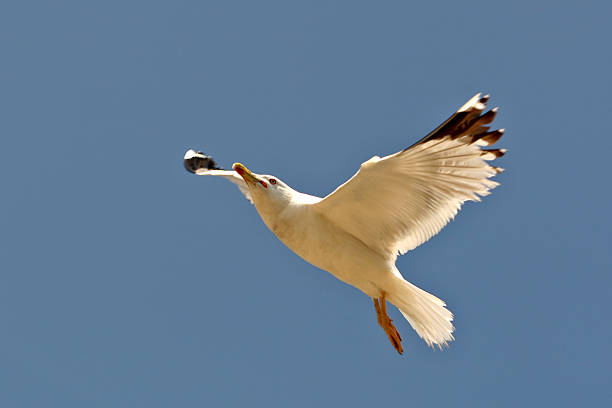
x,y
325,245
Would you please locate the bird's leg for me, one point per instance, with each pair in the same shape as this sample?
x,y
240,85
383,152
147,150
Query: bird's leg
x,y
378,312
386,323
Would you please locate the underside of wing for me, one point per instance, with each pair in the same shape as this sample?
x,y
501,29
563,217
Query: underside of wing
x,y
395,203
203,165
231,176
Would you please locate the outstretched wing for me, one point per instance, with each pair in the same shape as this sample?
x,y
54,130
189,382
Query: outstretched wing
x,y
230,175
202,165
395,203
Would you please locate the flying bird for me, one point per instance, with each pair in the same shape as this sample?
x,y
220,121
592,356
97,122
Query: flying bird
x,y
390,206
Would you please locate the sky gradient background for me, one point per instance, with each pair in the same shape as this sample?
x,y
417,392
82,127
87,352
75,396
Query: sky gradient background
x,y
127,282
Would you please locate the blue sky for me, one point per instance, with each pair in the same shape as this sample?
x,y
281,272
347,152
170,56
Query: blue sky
x,y
127,282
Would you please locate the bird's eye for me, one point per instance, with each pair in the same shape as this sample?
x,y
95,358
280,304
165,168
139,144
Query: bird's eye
x,y
272,181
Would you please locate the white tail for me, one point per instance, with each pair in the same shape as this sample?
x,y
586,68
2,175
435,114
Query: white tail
x,y
425,312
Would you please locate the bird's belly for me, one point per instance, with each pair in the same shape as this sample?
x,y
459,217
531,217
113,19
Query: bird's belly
x,y
334,250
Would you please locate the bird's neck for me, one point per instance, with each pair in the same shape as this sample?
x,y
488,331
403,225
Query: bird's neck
x,y
281,212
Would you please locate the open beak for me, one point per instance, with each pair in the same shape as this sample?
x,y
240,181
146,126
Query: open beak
x,y
247,175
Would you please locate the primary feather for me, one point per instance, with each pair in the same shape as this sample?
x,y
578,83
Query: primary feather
x,y
202,165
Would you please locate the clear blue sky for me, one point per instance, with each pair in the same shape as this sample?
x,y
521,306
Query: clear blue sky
x,y
127,282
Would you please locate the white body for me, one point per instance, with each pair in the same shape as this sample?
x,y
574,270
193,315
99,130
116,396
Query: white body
x,y
318,240
300,222
390,206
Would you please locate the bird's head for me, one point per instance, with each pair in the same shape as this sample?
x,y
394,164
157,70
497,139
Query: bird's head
x,y
267,191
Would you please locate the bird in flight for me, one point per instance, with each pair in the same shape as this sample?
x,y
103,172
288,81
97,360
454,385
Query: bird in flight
x,y
390,206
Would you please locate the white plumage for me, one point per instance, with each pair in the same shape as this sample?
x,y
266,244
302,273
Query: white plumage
x,y
390,206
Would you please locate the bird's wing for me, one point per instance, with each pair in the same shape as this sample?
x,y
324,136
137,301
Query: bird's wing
x,y
395,203
230,175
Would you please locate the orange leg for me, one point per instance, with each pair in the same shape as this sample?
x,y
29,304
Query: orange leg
x,y
387,324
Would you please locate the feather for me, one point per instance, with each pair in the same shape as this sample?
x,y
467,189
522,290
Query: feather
x,y
397,202
202,165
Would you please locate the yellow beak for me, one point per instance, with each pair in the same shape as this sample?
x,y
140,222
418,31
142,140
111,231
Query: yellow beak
x,y
245,173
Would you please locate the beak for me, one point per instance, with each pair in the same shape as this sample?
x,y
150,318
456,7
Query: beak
x,y
245,173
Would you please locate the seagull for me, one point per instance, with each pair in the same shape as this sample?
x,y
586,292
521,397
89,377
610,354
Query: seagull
x,y
390,206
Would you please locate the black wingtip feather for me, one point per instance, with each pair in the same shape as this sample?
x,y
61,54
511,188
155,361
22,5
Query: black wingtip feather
x,y
496,152
490,138
468,121
195,161
487,117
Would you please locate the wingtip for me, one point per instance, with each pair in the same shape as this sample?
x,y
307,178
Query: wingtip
x,y
189,154
491,154
197,162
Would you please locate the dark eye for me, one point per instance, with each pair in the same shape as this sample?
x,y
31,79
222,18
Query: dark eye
x,y
272,181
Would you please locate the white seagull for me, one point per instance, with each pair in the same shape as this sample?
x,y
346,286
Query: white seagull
x,y
390,206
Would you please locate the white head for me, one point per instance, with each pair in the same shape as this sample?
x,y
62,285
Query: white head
x,y
270,194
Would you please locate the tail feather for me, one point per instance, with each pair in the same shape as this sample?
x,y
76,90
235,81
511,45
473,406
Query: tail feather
x,y
425,312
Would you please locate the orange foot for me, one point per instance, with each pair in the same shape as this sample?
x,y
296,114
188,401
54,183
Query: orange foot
x,y
387,324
